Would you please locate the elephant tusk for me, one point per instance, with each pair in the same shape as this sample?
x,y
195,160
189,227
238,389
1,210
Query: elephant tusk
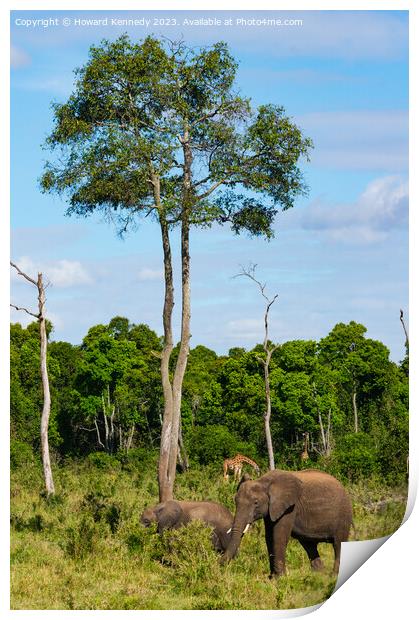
x,y
228,531
246,528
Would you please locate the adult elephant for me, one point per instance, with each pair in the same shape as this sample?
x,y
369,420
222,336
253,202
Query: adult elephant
x,y
173,514
308,505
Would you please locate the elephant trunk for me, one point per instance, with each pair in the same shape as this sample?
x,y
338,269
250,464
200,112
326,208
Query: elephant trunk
x,y
236,534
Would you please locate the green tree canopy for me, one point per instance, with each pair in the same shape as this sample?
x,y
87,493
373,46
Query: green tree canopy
x,y
127,118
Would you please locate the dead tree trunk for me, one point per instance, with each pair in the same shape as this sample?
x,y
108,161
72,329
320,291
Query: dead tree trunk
x,y
355,408
406,342
46,409
269,350
325,435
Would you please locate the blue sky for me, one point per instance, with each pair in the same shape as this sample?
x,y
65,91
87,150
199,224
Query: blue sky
x,y
341,254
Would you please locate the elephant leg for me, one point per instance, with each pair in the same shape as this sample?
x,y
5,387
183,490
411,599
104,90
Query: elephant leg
x,y
281,532
313,554
336,546
269,543
216,541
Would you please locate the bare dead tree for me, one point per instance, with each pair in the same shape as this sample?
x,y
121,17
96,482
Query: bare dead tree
x,y
46,410
326,447
406,343
269,349
111,433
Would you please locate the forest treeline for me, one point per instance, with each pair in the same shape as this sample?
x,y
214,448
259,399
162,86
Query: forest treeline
x,y
342,397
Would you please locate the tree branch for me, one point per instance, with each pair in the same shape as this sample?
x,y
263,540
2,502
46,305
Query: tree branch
x,y
37,316
211,189
24,275
250,273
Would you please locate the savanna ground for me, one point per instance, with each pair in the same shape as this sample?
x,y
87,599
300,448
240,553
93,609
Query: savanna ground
x,y
84,548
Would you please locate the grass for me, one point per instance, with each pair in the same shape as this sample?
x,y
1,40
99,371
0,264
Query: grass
x,y
85,548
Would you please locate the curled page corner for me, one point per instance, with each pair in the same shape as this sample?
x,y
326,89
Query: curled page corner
x,y
411,498
354,554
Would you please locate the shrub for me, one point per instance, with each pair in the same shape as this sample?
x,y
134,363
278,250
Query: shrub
x,y
102,510
356,456
188,550
102,460
80,539
21,454
136,458
214,443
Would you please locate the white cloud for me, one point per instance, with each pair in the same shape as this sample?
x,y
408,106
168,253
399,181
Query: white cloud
x,y
62,273
150,274
382,207
18,57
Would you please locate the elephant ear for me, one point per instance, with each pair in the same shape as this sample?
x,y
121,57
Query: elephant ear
x,y
283,492
244,478
168,514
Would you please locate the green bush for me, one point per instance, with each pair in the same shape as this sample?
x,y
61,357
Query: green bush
x,y
137,458
21,454
104,461
81,538
209,444
355,457
101,509
179,547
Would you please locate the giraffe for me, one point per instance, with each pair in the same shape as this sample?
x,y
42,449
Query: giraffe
x,y
236,464
304,454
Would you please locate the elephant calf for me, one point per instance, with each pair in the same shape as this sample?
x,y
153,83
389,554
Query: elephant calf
x,y
173,514
308,505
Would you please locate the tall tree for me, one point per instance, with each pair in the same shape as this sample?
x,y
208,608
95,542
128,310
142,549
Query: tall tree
x,y
363,365
43,339
157,128
115,382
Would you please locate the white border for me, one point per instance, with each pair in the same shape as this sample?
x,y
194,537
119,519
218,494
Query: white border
x,y
384,587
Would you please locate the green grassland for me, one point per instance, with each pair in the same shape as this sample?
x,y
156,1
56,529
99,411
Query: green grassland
x,y
84,548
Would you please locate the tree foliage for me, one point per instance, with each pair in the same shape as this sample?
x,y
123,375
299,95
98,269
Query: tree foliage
x,y
223,399
133,107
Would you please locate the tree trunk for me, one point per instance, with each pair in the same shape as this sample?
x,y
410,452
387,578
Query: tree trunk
x,y
355,407
164,478
182,359
182,454
323,436
267,416
46,409
406,342
329,418
172,391
130,438
46,463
